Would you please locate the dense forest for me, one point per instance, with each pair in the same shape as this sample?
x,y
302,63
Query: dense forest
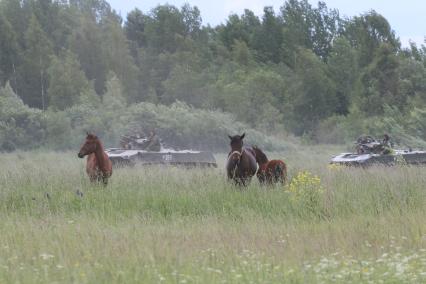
x,y
68,66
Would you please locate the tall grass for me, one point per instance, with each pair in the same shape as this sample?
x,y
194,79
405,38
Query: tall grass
x,y
175,225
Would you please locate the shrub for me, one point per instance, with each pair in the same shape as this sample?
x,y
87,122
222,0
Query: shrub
x,y
20,126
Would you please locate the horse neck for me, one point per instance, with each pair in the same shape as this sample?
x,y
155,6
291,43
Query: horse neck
x,y
259,160
262,162
99,154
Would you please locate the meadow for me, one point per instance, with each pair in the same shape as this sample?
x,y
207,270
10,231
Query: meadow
x,y
174,225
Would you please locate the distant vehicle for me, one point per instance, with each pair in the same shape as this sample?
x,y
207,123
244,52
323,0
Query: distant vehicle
x,y
133,153
370,151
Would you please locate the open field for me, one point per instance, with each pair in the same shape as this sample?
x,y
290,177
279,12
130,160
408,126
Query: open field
x,y
173,225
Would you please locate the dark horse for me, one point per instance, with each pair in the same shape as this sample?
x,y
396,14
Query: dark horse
x,y
98,166
270,172
241,165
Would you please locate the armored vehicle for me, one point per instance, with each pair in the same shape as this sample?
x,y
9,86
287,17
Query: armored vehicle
x,y
370,151
133,152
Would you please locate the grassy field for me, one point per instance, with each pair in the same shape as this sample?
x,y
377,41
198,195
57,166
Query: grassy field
x,y
171,225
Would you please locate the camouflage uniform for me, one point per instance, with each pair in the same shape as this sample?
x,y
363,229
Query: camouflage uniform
x,y
153,143
387,145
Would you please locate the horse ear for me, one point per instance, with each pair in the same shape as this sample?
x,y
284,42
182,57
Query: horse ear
x,y
230,137
242,136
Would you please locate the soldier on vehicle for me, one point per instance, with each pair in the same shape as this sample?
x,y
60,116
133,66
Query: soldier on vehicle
x,y
364,144
386,144
386,140
153,142
125,142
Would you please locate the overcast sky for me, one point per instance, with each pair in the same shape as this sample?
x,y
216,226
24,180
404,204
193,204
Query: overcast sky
x,y
406,17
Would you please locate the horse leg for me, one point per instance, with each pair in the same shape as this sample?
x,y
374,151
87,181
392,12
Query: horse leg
x,y
280,173
269,177
241,181
93,178
105,180
261,178
284,174
283,177
278,178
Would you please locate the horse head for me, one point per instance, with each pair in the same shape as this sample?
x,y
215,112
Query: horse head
x,y
237,142
236,147
89,146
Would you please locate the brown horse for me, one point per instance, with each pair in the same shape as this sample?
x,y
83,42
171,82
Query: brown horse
x,y
241,165
98,166
270,172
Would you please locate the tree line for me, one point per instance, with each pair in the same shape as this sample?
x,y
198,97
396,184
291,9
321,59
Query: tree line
x,y
302,70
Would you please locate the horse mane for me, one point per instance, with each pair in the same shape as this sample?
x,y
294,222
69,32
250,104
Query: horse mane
x,y
92,136
260,156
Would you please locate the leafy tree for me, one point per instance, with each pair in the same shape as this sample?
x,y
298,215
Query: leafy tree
x,y
415,52
380,83
119,60
114,99
55,20
134,28
89,98
268,39
192,20
327,25
18,14
21,127
163,29
36,60
239,28
186,85
87,43
367,33
314,98
59,131
8,50
114,107
412,81
297,27
67,81
310,28
97,10
343,65
241,53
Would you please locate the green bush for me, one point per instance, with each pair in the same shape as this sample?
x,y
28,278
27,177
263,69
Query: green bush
x,y
182,126
20,126
179,125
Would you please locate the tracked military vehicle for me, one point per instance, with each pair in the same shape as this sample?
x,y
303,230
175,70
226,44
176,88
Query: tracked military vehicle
x,y
370,151
134,151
